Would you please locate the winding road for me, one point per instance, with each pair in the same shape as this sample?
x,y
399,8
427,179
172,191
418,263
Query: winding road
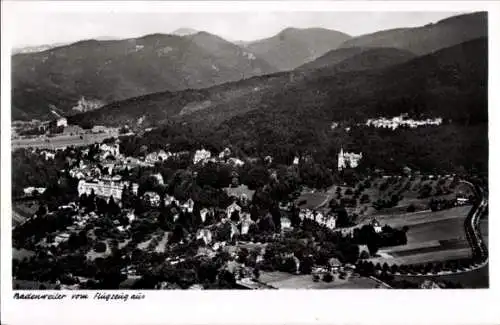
x,y
471,224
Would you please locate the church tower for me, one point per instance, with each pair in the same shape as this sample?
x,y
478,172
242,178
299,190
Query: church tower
x,y
341,161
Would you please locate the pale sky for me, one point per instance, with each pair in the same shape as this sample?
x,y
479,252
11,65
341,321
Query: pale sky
x,y
31,27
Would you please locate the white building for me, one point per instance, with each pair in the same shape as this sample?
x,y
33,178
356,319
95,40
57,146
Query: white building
x,y
201,156
152,198
376,226
110,149
170,200
105,188
62,121
204,212
225,153
30,190
158,177
188,206
205,235
236,162
348,159
231,208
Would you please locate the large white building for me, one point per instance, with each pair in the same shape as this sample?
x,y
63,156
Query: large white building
x,y
105,188
348,159
201,156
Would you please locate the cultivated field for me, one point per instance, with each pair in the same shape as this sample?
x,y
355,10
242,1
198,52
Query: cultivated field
x,y
475,279
432,236
61,141
281,280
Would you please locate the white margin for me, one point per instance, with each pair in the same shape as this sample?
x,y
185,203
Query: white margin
x,y
262,307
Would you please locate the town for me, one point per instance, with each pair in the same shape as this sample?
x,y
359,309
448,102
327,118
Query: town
x,y
204,220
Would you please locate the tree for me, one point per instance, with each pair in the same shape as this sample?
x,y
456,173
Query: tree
x,y
328,278
100,247
235,216
113,208
256,273
342,218
373,246
306,265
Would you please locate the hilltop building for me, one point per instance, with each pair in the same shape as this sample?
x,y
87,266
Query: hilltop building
x,y
348,159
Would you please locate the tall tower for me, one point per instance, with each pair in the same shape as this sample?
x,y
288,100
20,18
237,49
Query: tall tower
x,y
341,161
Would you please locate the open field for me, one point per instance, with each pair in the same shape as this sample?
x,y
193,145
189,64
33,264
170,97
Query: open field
x,y
61,141
281,280
314,200
476,279
432,236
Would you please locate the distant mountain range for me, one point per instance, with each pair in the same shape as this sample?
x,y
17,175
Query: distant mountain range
x,y
184,31
116,70
428,38
293,47
111,71
445,83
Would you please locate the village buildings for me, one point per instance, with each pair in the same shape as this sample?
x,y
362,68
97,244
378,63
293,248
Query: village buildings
x,y
201,156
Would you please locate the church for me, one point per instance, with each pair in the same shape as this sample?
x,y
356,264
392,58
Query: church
x,y
348,159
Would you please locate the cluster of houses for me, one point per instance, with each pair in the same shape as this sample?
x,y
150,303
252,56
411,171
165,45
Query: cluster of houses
x,y
327,220
398,121
204,156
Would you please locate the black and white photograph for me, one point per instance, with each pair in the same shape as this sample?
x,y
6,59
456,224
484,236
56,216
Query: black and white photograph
x,y
247,150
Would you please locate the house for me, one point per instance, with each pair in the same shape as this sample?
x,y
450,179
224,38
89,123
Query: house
x,y
48,155
330,222
376,226
204,212
188,206
154,157
32,190
285,223
235,162
306,214
171,200
201,156
110,149
152,199
225,153
62,121
334,264
158,177
60,238
205,235
231,208
245,225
